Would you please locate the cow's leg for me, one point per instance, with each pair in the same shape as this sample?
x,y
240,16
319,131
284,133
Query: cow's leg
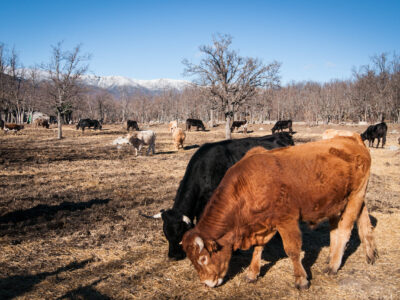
x,y
345,225
379,140
383,140
254,268
365,233
255,264
333,224
291,238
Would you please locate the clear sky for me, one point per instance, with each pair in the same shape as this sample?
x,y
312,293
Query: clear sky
x,y
314,40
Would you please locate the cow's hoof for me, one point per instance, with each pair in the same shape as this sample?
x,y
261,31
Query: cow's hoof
x,y
302,284
251,279
371,260
330,271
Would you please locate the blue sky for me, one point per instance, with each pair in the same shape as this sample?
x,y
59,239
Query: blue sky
x,y
314,40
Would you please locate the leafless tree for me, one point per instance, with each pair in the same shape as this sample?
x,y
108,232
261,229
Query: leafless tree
x,y
65,70
230,79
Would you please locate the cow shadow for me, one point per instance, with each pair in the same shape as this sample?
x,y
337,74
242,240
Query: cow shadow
x,y
46,212
85,292
17,285
313,242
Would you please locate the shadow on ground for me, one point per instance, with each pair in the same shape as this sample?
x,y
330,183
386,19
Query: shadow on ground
x,y
313,242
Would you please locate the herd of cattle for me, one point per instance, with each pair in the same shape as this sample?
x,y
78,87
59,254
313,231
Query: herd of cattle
x,y
237,194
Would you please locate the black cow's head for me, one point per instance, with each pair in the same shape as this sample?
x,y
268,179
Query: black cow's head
x,y
175,225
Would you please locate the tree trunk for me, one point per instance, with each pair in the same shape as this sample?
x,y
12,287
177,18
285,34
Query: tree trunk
x,y
211,118
59,125
228,134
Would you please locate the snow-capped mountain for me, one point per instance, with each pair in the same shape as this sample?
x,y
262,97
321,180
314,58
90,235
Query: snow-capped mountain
x,y
119,84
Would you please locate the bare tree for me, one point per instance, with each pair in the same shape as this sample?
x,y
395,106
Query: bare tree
x,y
230,78
65,71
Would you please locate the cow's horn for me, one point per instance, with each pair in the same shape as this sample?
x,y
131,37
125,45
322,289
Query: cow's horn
x,y
186,220
199,243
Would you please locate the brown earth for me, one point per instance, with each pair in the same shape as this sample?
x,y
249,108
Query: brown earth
x,y
70,228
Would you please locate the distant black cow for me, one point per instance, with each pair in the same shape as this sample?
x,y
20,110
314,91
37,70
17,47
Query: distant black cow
x,y
1,124
132,124
280,125
203,174
373,132
83,123
237,124
194,123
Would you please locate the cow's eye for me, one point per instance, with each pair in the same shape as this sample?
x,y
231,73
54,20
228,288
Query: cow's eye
x,y
203,260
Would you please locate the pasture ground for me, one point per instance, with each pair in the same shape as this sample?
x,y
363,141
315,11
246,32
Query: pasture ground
x,y
70,225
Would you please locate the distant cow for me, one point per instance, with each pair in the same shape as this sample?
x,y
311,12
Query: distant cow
x,y
271,191
83,123
178,135
13,127
41,122
1,124
172,125
195,123
132,124
280,125
146,137
331,133
237,124
203,174
373,132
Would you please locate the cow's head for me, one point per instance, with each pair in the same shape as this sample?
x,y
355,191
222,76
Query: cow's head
x,y
210,259
175,224
364,136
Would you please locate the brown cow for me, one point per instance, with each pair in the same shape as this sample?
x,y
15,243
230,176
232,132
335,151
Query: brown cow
x,y
270,191
13,126
331,133
178,135
41,122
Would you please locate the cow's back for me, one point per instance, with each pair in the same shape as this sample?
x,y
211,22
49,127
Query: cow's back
x,y
309,182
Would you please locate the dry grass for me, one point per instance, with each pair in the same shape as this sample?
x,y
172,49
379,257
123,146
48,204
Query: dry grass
x,y
69,223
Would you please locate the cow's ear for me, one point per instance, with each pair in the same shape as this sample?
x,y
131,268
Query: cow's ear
x,y
211,246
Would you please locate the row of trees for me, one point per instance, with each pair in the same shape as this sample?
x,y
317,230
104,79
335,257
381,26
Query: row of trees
x,y
225,86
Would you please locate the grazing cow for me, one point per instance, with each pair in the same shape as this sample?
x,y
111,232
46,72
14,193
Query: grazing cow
x,y
203,174
280,125
172,125
331,133
41,122
178,135
195,123
88,123
145,137
271,191
13,127
373,132
132,124
237,124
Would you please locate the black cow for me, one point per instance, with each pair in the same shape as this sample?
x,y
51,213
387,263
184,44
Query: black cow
x,y
88,123
237,124
132,124
203,174
373,132
1,124
280,125
194,123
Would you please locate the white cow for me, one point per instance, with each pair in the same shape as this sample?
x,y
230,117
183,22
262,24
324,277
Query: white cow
x,y
145,137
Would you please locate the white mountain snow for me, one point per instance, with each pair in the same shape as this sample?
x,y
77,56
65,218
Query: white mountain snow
x,y
118,84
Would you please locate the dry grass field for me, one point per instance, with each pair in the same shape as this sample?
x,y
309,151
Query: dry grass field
x,y
70,226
